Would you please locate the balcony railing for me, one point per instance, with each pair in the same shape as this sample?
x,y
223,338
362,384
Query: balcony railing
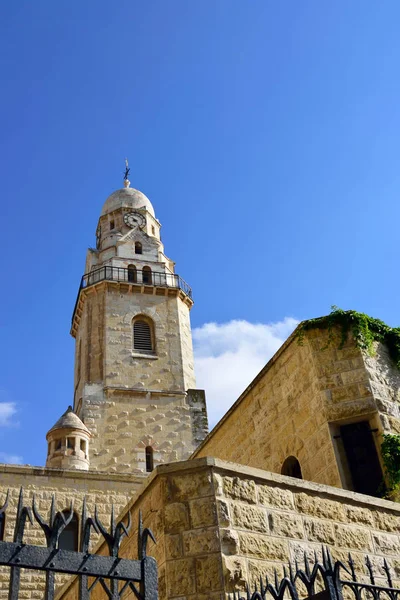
x,y
136,277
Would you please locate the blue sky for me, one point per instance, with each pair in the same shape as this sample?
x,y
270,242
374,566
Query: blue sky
x,y
266,135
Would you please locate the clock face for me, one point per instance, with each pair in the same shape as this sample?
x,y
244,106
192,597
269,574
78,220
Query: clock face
x,y
134,220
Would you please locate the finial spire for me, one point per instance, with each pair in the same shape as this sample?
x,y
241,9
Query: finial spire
x,y
127,183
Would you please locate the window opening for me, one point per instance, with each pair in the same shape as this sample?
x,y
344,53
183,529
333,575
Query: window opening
x,y
149,459
83,446
71,443
132,274
142,338
58,445
68,539
146,275
362,457
153,231
138,248
2,525
112,225
291,467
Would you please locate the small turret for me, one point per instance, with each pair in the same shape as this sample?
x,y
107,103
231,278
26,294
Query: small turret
x,y
68,443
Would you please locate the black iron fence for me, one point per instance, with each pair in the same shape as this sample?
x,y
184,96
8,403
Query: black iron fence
x,y
114,574
325,580
138,276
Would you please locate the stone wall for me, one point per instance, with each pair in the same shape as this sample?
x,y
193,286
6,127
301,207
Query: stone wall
x,y
293,406
101,489
219,524
130,401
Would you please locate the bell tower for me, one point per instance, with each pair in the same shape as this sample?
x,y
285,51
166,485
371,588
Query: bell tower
x,y
134,376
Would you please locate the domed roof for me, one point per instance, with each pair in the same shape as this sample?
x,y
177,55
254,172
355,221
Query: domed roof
x,y
127,197
69,420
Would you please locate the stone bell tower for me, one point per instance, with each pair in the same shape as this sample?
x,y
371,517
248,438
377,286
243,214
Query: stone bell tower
x,y
134,376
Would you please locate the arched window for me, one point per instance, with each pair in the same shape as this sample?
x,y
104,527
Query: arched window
x,y
2,525
69,537
146,275
132,274
138,248
149,459
143,335
291,467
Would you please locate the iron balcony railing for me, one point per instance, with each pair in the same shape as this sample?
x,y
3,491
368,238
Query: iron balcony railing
x,y
136,276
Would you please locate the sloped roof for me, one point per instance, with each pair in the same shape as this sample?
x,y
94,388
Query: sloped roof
x,y
69,420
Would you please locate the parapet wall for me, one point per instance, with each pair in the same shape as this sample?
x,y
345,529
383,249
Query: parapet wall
x,y
220,524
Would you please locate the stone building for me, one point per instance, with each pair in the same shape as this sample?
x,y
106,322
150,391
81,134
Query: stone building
x,y
295,463
317,411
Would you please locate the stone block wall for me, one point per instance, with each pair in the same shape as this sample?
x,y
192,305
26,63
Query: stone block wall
x,y
294,404
101,489
123,423
219,524
267,520
135,401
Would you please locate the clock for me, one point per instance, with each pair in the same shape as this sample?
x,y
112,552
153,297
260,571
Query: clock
x,y
134,220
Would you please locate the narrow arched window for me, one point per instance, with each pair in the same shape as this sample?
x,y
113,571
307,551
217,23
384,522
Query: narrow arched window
x,y
149,459
132,274
291,467
138,248
146,275
69,537
143,335
2,525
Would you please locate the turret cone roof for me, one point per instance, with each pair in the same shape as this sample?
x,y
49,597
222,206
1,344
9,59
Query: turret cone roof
x,y
69,420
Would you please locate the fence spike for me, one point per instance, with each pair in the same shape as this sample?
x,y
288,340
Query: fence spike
x,y
370,569
291,572
23,513
351,565
276,579
112,520
329,558
386,568
52,510
3,509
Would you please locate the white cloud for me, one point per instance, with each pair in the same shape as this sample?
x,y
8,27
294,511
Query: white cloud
x,y
229,355
10,458
7,411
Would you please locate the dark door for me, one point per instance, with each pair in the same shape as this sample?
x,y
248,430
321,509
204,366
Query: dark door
x,y
362,457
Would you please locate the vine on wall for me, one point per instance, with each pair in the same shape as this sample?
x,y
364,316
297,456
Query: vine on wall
x,y
365,330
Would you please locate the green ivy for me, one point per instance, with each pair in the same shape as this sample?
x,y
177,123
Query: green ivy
x,y
366,330
391,459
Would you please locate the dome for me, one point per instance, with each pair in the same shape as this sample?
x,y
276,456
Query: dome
x,y
127,198
69,420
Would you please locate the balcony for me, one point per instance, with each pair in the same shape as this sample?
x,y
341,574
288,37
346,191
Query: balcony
x,y
143,278
139,277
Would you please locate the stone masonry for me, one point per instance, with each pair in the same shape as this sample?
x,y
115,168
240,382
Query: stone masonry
x,y
130,399
101,489
220,524
296,402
